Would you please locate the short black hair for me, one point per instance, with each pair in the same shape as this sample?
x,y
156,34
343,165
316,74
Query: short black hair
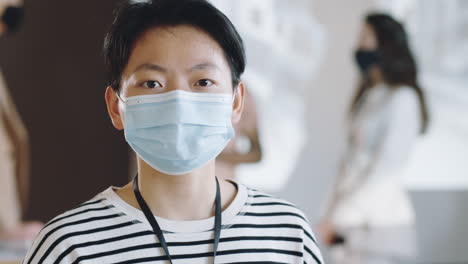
x,y
133,19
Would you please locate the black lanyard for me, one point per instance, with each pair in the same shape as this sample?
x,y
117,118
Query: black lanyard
x,y
159,233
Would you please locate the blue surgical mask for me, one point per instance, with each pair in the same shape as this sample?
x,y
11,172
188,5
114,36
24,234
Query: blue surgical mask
x,y
178,132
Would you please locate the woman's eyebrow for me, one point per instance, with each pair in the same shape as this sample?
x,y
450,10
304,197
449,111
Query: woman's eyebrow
x,y
204,66
156,67
151,67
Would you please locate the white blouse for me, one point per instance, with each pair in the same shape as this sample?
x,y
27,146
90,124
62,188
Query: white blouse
x,y
382,133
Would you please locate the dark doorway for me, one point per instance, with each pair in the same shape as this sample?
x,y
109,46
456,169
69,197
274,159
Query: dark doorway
x,y
54,70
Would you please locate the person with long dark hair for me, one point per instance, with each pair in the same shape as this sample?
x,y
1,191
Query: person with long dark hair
x,y
387,115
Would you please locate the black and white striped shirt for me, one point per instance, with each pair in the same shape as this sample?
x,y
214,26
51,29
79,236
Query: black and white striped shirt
x,y
257,228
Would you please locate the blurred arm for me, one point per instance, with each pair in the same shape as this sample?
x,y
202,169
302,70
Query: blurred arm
x,y
20,141
248,126
254,155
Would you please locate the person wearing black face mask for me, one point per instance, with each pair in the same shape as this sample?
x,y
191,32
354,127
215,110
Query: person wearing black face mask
x,y
12,18
370,211
365,59
14,149
11,14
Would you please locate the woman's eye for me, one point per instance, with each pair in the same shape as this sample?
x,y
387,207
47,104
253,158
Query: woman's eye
x,y
151,84
204,83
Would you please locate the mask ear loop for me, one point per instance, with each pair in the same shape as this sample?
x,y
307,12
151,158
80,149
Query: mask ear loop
x,y
234,95
120,98
229,123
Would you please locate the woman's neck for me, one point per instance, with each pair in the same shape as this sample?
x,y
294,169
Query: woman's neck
x,y
375,76
184,197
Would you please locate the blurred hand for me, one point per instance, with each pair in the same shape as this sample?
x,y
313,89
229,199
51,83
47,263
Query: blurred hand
x,y
326,232
24,231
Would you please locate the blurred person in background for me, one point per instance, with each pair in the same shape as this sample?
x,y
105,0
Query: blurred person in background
x,y
370,211
245,147
14,148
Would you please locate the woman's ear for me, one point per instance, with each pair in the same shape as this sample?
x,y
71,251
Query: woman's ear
x,y
113,108
238,104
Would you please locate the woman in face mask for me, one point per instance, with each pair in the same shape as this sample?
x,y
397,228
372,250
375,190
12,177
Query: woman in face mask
x,y
370,210
175,90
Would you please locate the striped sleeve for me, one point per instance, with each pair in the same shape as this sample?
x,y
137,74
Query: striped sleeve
x,y
58,235
311,250
277,206
38,253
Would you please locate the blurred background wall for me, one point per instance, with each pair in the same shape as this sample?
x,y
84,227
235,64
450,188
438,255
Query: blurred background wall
x,y
54,70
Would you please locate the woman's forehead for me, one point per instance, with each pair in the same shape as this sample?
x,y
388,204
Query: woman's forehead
x,y
184,45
